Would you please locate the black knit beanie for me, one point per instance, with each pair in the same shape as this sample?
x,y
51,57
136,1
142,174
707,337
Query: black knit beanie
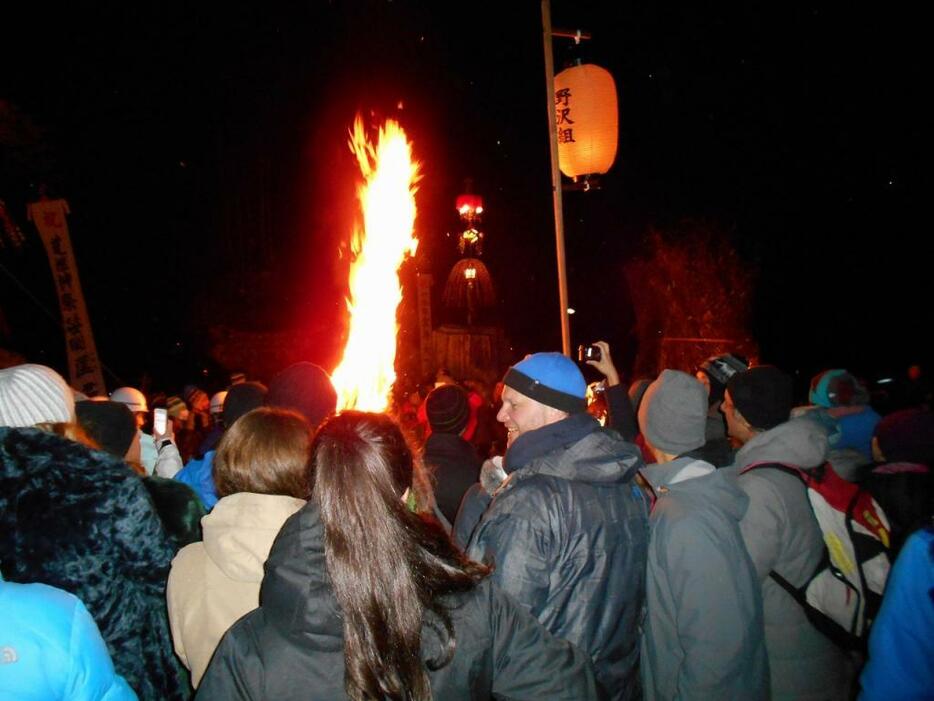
x,y
306,388
764,396
241,399
111,425
447,409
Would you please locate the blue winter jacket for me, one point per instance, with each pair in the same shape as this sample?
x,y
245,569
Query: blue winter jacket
x,y
50,648
199,475
901,644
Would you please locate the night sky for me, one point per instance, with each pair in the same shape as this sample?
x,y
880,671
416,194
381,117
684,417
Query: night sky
x,y
203,154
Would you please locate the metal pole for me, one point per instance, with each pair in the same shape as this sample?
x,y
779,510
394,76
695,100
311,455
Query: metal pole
x,y
556,178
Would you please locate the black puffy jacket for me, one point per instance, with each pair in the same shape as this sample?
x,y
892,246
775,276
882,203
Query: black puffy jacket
x,y
568,535
292,646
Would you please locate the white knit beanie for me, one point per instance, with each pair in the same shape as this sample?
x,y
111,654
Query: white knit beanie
x,y
32,394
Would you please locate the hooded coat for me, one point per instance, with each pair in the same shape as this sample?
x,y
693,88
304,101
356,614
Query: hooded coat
x,y
782,534
82,521
52,648
567,533
292,646
703,636
901,644
216,581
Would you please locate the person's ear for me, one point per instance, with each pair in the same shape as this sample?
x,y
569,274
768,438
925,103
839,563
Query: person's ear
x,y
877,453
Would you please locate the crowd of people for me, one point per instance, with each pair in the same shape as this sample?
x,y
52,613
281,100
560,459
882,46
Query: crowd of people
x,y
662,539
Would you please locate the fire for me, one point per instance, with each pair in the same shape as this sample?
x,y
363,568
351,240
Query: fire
x,y
366,373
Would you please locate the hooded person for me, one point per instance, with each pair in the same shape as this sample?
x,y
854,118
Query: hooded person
x,y
840,403
566,531
780,530
703,634
198,473
452,460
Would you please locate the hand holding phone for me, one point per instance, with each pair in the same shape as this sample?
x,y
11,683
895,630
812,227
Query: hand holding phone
x,y
598,355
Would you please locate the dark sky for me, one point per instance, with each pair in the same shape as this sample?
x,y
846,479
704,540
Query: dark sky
x,y
204,156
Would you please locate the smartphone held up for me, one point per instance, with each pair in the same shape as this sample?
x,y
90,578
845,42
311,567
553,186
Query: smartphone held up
x,y
159,419
585,353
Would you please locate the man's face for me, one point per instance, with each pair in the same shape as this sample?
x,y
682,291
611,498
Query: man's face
x,y
521,414
736,426
133,452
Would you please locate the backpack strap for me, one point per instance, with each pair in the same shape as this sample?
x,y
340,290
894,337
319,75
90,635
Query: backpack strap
x,y
784,467
821,621
792,590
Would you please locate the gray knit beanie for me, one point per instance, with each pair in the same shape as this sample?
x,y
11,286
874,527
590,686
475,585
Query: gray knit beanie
x,y
673,413
32,394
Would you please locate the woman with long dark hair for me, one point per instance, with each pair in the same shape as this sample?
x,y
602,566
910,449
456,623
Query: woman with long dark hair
x,y
364,599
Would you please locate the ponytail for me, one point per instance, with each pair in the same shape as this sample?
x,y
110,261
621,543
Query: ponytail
x,y
386,564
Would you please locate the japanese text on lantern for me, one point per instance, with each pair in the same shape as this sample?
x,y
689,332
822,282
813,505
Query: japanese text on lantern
x,y
563,116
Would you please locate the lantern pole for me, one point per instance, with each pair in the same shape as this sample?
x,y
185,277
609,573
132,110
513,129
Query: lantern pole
x,y
556,178
549,33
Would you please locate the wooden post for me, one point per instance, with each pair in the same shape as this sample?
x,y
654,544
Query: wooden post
x,y
556,178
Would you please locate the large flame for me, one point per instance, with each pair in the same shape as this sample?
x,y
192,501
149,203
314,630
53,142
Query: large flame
x,y
365,375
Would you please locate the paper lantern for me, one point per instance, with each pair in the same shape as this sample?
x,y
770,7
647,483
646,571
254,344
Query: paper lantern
x,y
587,120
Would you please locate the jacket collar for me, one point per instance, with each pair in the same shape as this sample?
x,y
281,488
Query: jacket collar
x,y
662,476
542,441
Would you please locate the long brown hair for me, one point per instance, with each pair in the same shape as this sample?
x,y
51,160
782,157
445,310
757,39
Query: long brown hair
x,y
387,565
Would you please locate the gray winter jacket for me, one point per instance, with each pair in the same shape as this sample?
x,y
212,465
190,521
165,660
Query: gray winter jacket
x,y
782,534
703,637
568,534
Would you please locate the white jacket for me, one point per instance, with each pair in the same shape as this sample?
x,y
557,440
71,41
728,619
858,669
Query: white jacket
x,y
216,581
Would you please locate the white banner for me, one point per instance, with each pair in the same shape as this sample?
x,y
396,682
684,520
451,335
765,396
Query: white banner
x,y
84,369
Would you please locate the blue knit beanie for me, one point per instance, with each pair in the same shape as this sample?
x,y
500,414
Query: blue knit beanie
x,y
551,379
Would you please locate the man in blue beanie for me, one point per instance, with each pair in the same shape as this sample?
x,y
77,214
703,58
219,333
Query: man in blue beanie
x,y
567,530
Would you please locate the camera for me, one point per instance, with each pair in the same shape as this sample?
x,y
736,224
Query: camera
x,y
585,353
